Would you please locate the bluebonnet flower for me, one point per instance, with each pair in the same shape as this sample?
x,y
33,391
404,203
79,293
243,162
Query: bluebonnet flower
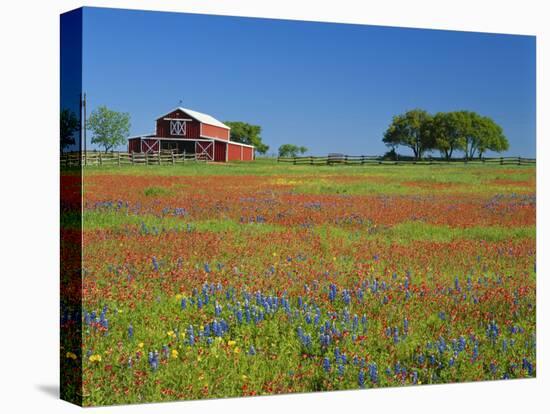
x,y
395,335
526,365
207,268
191,335
361,379
373,372
251,350
153,360
415,377
183,304
155,264
326,364
346,297
217,309
475,352
130,332
332,292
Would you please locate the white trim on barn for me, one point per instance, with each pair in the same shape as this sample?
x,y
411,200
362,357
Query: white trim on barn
x,y
199,116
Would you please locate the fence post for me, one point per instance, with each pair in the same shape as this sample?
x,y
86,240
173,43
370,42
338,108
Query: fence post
x,y
132,157
119,159
519,160
173,160
184,153
294,160
100,160
501,160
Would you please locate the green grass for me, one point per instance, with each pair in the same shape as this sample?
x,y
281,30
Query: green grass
x,y
119,220
266,167
157,191
402,233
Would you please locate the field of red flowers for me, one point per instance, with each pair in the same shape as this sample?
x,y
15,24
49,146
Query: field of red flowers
x,y
224,281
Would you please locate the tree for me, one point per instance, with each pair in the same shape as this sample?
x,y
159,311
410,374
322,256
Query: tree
x,y
247,134
110,128
479,134
447,132
68,126
291,150
411,129
490,136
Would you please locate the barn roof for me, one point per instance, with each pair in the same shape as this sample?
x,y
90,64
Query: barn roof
x,y
199,116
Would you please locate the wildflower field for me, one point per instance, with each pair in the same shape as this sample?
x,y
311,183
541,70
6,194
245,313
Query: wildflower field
x,y
208,281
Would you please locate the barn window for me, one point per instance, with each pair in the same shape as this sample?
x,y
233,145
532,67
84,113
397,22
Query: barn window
x,y
177,127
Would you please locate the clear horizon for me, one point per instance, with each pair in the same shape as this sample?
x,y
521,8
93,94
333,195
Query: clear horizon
x,y
328,86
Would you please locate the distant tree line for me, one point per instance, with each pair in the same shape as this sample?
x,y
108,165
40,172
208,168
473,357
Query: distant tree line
x,y
445,132
291,150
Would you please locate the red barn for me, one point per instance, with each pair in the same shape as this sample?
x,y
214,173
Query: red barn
x,y
184,130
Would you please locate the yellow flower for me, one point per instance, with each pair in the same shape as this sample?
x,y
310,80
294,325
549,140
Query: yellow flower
x,y
95,358
231,343
237,350
171,334
199,358
244,377
274,254
71,355
140,345
174,353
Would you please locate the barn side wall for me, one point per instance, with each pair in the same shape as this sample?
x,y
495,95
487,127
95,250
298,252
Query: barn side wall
x,y
234,152
134,145
211,131
248,154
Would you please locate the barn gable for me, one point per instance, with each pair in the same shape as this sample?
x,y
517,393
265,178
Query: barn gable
x,y
186,123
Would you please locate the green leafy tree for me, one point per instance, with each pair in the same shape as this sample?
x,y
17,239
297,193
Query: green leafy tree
x,y
490,136
447,129
110,128
247,134
69,125
291,150
412,130
480,134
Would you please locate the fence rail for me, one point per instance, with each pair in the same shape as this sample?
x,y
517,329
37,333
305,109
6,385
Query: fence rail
x,y
376,160
93,158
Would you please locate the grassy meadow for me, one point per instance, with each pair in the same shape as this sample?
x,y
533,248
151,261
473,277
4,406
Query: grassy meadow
x,y
241,279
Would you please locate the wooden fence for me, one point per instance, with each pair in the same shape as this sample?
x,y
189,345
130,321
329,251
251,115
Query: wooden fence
x,y
376,160
93,158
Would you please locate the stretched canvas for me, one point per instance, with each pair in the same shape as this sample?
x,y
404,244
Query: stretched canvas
x,y
258,206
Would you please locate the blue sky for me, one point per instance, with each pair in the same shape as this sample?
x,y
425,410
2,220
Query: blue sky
x,y
330,87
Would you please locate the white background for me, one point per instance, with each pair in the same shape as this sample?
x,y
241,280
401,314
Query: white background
x,y
29,97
